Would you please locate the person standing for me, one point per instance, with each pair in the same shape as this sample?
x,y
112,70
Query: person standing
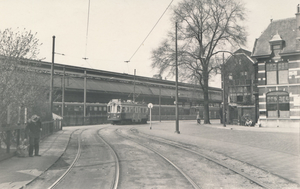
x,y
198,118
34,128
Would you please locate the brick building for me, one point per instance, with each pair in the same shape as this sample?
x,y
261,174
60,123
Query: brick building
x,y
277,52
240,88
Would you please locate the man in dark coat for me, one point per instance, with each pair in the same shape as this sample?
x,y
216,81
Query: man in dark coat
x,y
34,128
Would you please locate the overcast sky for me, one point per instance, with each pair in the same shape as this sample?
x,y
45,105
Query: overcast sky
x,y
116,28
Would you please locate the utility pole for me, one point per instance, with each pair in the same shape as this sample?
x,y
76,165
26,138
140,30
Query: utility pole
x,y
51,80
133,96
176,96
84,95
223,74
63,94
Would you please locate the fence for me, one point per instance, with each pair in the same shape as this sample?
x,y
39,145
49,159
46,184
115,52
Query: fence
x,y
12,136
81,120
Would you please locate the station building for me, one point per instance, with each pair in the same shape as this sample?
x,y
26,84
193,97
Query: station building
x,y
277,52
83,93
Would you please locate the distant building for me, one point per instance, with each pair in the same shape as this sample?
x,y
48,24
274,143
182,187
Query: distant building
x,y
277,52
241,97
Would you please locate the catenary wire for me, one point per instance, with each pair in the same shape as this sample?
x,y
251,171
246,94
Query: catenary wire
x,y
151,31
87,30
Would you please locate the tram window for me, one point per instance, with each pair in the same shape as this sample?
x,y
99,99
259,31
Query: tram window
x,y
95,108
123,109
108,109
118,109
104,108
100,108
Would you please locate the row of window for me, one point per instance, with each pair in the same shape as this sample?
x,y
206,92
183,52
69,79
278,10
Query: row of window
x,y
127,109
80,108
277,73
278,105
95,108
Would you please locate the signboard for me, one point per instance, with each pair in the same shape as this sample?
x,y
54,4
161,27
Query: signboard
x,y
150,105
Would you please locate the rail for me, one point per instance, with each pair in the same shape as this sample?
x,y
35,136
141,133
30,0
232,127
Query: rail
x,y
11,136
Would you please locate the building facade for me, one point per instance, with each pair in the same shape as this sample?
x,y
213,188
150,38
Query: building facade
x,y
240,88
277,52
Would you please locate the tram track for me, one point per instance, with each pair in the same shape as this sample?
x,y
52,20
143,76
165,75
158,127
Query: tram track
x,y
117,164
146,161
189,179
72,164
182,147
100,140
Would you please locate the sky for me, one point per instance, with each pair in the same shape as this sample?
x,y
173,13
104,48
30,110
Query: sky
x,y
116,28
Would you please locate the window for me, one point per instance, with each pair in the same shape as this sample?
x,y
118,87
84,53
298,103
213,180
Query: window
x,y
108,109
239,98
278,105
118,109
277,73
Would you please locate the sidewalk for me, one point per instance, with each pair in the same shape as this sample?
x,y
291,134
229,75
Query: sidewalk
x,y
16,172
259,129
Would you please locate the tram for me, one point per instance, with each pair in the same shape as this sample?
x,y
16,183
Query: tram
x,y
126,112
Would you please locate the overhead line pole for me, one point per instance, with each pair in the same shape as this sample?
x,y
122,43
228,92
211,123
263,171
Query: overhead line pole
x,y
51,79
224,109
176,96
133,96
63,93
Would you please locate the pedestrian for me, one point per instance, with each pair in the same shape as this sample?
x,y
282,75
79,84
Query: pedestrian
x,y
198,119
34,128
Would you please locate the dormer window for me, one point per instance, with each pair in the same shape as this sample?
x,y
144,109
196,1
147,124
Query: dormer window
x,y
276,44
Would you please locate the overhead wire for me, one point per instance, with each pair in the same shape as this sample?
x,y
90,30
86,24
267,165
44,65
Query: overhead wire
x,y
150,31
87,33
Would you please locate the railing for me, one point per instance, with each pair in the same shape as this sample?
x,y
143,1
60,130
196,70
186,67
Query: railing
x,y
12,136
81,120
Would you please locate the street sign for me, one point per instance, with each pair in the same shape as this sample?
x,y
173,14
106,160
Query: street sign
x,y
150,105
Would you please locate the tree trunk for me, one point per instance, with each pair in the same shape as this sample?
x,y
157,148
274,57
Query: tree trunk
x,y
206,99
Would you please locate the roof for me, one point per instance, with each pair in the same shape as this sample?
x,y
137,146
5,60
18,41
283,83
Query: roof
x,y
242,51
240,54
284,29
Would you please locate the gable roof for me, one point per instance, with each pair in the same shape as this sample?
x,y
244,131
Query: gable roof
x,y
243,51
285,28
240,54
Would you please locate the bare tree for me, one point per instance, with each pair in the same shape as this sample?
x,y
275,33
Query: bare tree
x,y
20,85
205,28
